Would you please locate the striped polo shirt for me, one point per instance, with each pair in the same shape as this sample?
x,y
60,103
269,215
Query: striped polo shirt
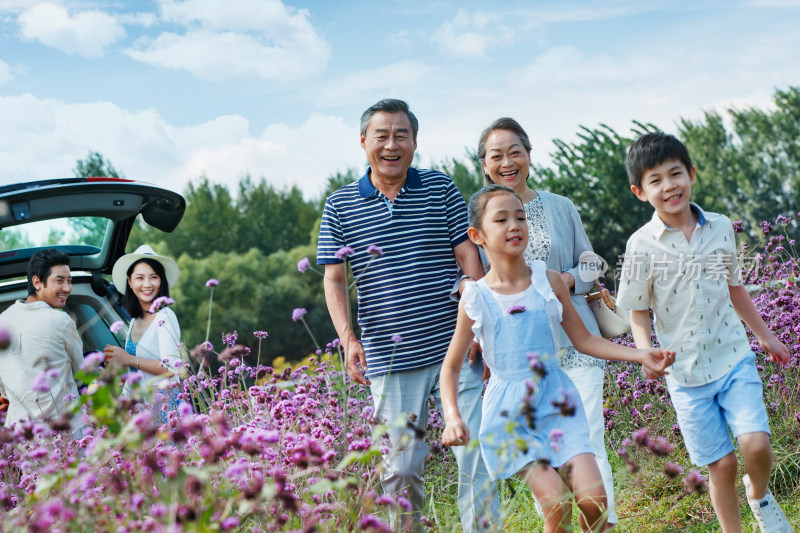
x,y
406,291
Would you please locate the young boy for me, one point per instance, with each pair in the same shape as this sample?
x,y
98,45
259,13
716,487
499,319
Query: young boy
x,y
683,265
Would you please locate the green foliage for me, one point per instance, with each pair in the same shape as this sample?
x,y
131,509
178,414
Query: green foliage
x,y
751,169
11,239
591,173
336,182
260,217
255,293
467,177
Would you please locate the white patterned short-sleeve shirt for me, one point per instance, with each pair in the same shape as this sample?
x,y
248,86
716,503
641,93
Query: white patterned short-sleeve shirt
x,y
685,283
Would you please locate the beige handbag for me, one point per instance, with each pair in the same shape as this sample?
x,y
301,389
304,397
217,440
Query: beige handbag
x,y
612,320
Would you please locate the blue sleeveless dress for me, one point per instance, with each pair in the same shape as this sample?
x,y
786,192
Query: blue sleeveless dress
x,y
507,440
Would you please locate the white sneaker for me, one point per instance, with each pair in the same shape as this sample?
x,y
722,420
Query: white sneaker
x,y
767,512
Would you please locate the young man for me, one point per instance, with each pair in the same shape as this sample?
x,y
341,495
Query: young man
x,y
682,265
406,316
43,339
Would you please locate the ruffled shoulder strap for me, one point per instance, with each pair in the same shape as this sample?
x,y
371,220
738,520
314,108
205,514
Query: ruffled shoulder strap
x,y
540,282
552,305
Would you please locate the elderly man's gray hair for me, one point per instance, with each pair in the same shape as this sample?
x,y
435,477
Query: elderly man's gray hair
x,y
389,105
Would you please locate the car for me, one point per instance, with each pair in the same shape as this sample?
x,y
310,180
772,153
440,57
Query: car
x,y
90,219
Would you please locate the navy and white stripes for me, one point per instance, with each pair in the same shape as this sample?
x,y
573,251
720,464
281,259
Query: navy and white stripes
x,y
406,291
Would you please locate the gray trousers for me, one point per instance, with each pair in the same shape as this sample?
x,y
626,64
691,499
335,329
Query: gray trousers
x,y
397,395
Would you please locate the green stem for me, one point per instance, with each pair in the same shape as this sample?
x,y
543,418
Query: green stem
x,y
303,320
210,301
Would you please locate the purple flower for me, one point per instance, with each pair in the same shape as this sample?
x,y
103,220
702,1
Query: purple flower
x,y
158,510
230,338
132,377
5,338
738,226
116,326
207,345
212,283
298,313
230,522
766,227
160,303
303,264
344,252
41,383
93,360
375,250
672,469
641,436
372,522
404,503
397,339
514,309
695,482
261,334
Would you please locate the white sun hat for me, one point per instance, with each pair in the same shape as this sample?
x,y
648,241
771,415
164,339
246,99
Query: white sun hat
x,y
119,274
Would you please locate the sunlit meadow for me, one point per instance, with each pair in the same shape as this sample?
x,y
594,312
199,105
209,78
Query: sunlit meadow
x,y
253,447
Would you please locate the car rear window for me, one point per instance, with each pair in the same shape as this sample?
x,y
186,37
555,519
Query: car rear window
x,y
87,231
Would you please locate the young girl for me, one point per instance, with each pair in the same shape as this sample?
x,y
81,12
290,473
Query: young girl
x,y
514,311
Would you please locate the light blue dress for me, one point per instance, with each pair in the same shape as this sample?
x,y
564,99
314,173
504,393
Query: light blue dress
x,y
508,442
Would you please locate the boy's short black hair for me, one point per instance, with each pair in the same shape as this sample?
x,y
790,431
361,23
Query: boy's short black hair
x,y
41,265
652,149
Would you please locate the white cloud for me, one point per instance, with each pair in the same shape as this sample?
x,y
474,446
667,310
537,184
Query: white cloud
x,y
86,33
238,39
43,139
399,80
16,5
402,39
304,156
5,72
469,35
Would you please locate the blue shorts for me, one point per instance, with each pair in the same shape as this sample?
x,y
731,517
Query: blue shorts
x,y
705,413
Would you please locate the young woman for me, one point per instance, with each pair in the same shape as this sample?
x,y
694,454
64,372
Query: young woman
x,y
151,345
534,428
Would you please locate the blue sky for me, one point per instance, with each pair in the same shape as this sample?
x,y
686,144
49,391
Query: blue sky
x,y
170,90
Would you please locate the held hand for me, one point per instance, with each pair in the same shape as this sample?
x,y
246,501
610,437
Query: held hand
x,y
474,350
655,361
354,356
486,372
569,280
116,355
778,352
455,434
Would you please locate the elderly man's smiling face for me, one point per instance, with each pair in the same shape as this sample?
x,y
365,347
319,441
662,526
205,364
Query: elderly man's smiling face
x,y
389,143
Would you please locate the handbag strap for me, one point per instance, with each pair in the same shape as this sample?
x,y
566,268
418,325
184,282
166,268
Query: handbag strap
x,y
605,295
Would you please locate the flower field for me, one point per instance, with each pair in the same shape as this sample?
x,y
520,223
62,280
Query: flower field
x,y
261,448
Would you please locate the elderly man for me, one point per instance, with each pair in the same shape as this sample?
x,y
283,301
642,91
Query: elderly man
x,y
404,233
36,369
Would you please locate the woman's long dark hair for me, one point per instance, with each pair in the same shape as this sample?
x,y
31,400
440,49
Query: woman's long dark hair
x,y
129,300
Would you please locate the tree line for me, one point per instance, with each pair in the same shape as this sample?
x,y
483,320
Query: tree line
x,y
748,167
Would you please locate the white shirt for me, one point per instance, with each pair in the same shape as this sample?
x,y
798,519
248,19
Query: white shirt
x,y
685,283
160,341
41,338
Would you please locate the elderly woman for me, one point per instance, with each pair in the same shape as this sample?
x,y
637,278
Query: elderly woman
x,y
556,237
